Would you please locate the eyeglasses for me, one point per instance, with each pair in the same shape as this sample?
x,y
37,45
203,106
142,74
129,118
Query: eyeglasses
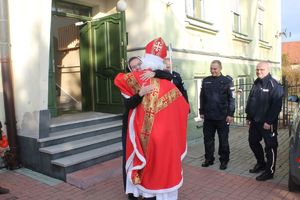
x,y
137,66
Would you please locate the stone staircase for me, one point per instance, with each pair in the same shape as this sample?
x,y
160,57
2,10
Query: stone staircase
x,y
80,141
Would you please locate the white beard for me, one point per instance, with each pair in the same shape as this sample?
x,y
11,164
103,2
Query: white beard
x,y
153,62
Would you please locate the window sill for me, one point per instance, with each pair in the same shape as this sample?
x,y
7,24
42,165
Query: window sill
x,y
200,25
241,37
264,44
199,20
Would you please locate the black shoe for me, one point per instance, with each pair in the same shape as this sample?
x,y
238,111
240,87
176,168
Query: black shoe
x,y
4,190
257,168
207,163
131,197
223,165
265,176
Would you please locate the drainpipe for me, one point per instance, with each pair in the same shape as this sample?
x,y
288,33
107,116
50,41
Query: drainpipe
x,y
8,94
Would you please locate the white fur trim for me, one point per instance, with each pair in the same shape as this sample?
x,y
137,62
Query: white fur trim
x,y
135,150
153,62
125,96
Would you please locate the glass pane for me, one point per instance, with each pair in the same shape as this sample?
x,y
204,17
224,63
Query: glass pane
x,y
197,9
260,31
71,8
236,22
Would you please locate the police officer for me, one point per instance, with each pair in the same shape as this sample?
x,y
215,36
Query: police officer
x,y
217,109
263,107
176,78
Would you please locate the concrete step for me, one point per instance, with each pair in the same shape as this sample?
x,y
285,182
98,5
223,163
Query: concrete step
x,y
78,146
95,174
83,119
85,159
79,133
80,141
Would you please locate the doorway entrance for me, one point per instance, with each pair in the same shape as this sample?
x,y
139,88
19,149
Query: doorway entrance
x,y
86,55
66,58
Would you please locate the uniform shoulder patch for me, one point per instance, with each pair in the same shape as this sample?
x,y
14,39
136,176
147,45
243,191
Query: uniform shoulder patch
x,y
229,77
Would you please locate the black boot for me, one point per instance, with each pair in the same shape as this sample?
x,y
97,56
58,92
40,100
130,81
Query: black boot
x,y
223,165
4,190
131,197
207,163
265,176
258,167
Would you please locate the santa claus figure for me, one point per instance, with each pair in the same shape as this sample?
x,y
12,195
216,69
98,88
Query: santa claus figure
x,y
156,51
156,136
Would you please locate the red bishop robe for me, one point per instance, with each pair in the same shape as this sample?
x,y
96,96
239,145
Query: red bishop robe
x,y
156,136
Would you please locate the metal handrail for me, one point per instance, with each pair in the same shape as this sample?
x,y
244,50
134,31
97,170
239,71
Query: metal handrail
x,y
67,93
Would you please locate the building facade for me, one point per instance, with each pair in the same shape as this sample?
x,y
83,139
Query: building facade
x,y
64,54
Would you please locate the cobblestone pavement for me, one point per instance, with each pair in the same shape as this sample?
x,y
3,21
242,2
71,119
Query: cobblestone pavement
x,y
235,183
241,156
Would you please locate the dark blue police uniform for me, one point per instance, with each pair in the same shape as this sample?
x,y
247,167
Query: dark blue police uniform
x,y
263,106
216,103
177,80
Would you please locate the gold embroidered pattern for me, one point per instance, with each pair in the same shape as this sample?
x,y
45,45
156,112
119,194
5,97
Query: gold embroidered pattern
x,y
132,82
167,99
152,105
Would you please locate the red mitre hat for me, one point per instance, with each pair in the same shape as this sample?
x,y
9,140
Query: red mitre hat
x,y
157,47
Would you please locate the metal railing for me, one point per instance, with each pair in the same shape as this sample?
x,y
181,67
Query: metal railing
x,y
241,96
288,107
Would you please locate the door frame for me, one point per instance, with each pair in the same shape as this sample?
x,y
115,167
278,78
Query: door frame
x,y
52,104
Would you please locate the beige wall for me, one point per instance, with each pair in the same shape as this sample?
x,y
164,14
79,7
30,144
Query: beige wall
x,y
30,37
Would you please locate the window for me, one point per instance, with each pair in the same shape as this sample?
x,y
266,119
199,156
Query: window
x,y
195,9
71,8
260,24
236,22
236,26
260,31
197,19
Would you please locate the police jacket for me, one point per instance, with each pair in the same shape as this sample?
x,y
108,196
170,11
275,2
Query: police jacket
x,y
176,78
216,98
265,100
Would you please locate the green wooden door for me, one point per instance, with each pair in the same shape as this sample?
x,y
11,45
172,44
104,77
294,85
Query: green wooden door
x,y
103,55
52,106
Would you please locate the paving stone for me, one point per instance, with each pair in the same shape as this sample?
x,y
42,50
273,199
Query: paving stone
x,y
235,183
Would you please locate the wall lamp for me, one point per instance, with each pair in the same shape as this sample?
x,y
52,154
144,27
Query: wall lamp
x,y
121,5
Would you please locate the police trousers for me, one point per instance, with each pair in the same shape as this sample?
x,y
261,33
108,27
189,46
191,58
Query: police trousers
x,y
256,134
209,129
